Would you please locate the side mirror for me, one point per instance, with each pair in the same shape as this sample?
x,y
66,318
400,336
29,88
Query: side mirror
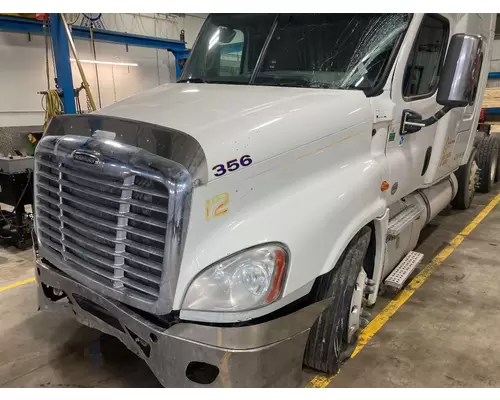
x,y
461,71
457,83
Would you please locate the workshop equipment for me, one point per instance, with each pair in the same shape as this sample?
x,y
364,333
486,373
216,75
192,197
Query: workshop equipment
x,y
16,190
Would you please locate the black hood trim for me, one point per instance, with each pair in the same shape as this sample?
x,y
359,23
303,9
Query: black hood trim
x,y
159,140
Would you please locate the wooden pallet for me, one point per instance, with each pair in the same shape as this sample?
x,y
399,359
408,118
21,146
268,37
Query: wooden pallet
x,y
491,97
495,126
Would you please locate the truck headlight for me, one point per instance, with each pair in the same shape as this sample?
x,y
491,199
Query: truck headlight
x,y
244,281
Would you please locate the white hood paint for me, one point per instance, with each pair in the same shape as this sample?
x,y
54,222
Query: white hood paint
x,y
230,121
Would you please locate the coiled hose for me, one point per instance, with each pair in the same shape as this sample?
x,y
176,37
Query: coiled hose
x,y
51,103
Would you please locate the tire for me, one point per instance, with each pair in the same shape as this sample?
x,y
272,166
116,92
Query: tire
x,y
327,345
479,137
487,161
497,175
466,191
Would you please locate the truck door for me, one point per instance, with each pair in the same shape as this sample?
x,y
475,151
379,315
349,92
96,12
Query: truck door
x,y
414,87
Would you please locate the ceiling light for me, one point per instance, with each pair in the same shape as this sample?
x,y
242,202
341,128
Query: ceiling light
x,y
106,62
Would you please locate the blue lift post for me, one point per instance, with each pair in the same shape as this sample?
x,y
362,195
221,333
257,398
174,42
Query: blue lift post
x,y
63,65
179,55
61,48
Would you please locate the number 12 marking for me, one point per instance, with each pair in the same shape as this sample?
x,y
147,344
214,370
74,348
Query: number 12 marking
x,y
216,206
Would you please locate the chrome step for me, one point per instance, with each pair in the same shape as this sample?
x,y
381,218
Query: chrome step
x,y
400,274
402,220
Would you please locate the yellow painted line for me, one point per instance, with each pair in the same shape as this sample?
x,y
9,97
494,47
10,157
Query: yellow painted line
x,y
322,381
16,284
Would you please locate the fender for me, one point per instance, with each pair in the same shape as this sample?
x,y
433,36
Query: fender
x,y
313,199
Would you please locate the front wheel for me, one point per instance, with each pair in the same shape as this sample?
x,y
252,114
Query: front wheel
x,y
333,337
467,176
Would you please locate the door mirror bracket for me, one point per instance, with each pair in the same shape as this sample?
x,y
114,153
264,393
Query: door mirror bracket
x,y
412,121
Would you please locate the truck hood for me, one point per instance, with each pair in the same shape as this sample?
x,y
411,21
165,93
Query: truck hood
x,y
230,121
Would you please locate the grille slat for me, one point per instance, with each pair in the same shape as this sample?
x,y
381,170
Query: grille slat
x,y
140,287
144,248
130,243
144,234
99,222
85,203
148,191
146,220
110,225
54,246
89,254
143,275
92,179
116,199
85,189
109,228
54,225
111,251
49,188
89,242
50,233
48,199
143,261
86,228
88,266
49,211
147,206
45,163
104,209
48,176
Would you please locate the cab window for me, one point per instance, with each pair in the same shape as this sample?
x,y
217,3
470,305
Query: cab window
x,y
426,58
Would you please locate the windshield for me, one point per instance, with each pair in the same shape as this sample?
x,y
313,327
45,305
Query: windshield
x,y
338,51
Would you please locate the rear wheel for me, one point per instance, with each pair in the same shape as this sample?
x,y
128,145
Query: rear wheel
x,y
334,335
487,161
497,176
467,176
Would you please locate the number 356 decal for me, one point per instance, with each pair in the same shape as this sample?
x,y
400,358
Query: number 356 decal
x,y
232,165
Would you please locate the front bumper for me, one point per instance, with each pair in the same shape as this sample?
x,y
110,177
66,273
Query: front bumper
x,y
269,354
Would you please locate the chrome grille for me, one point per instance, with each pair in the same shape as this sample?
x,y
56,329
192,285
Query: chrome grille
x,y
111,228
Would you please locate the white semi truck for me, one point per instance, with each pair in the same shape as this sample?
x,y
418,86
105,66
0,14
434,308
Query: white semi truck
x,y
233,227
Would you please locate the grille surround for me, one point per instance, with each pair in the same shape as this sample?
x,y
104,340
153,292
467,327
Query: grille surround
x,y
118,224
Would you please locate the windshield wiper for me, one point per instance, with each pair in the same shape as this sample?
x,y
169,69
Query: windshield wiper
x,y
263,51
298,84
193,80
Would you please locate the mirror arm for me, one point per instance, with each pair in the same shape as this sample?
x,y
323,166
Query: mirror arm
x,y
412,122
436,117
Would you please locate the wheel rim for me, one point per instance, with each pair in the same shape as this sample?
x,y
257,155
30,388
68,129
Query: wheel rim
x,y
356,309
473,178
493,169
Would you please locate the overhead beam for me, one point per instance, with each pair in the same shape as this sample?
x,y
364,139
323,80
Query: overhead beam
x,y
24,25
102,35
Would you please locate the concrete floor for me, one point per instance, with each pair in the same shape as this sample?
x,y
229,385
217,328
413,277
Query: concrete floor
x,y
444,336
